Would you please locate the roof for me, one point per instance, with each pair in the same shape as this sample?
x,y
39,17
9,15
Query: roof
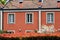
x,y
31,9
14,4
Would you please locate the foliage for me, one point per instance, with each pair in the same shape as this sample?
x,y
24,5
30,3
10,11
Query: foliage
x,y
1,31
3,38
42,38
3,1
33,38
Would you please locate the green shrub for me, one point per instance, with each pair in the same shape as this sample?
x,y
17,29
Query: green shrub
x,y
1,31
33,38
42,38
2,38
3,1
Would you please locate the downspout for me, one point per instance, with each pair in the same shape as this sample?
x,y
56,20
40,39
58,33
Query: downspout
x,y
39,31
1,19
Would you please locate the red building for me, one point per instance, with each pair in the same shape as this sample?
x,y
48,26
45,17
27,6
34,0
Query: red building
x,y
41,19
35,19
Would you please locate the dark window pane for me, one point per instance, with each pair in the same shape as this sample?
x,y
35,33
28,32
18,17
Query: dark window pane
x,y
27,17
30,17
58,1
40,0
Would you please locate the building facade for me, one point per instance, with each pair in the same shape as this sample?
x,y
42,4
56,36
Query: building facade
x,y
41,16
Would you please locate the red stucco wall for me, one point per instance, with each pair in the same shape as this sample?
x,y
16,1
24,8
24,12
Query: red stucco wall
x,y
56,19
20,22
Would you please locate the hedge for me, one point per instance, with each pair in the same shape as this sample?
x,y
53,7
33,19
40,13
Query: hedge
x,y
32,38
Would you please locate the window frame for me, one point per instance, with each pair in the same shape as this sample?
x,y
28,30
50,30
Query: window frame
x,y
41,1
26,18
21,1
53,18
58,1
11,31
8,18
28,31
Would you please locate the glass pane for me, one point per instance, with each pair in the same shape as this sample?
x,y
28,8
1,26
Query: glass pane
x,y
27,17
40,0
48,17
51,17
30,17
20,0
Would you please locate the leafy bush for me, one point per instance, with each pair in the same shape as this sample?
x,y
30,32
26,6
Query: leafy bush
x,y
3,38
1,31
42,38
33,38
3,1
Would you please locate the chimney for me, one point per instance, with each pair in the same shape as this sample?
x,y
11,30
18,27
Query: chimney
x,y
58,3
20,3
40,3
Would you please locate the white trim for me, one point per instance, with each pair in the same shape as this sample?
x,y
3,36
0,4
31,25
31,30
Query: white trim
x,y
11,31
39,31
58,0
20,10
53,17
1,20
42,1
30,10
32,18
20,0
14,18
28,31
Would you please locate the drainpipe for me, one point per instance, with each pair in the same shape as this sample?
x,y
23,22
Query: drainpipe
x,y
39,31
1,20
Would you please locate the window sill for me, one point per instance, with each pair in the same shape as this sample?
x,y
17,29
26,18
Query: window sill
x,y
50,23
11,23
29,23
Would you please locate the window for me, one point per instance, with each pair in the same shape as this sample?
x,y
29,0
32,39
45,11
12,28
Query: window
x,y
50,18
20,1
11,18
10,31
40,0
29,18
28,31
58,1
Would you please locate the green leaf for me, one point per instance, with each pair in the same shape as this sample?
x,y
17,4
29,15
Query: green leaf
x,y
3,2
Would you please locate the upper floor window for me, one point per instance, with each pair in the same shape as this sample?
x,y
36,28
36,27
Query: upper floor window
x,y
58,3
10,18
21,1
29,18
50,18
40,0
58,0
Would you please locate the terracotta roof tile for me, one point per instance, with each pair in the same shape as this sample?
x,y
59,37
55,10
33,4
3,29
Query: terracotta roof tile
x,y
1,5
30,4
